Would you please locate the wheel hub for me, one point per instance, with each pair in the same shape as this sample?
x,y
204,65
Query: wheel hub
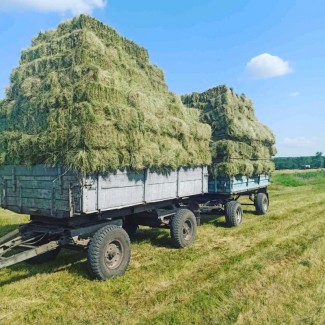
x,y
187,230
238,216
265,204
114,253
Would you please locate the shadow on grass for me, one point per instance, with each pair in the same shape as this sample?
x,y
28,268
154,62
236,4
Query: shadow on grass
x,y
70,261
155,236
251,212
215,218
74,261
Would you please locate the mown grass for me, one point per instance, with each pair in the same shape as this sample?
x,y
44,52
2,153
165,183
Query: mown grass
x,y
270,270
298,178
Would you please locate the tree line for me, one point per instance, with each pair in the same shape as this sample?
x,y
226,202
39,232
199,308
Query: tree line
x,y
306,162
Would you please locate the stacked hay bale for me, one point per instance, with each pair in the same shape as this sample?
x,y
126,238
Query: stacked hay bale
x,y
240,145
86,98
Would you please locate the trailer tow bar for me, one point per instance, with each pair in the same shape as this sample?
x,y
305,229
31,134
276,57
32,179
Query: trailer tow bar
x,y
13,241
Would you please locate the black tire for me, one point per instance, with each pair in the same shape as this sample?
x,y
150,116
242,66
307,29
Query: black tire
x,y
261,203
109,253
234,214
183,228
130,227
44,258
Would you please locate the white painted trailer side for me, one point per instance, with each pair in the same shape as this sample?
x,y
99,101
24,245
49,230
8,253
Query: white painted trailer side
x,y
58,193
125,188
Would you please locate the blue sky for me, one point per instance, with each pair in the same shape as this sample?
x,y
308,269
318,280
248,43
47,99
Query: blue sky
x,y
273,51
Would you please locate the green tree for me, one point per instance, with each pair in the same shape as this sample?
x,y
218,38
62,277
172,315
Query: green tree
x,y
318,160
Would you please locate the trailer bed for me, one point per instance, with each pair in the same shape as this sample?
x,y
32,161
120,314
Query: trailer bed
x,y
238,184
59,193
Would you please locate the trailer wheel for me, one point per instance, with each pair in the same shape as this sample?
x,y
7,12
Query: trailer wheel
x,y
183,228
261,203
109,252
234,214
44,258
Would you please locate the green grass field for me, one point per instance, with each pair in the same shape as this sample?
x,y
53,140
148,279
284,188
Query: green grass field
x,y
270,270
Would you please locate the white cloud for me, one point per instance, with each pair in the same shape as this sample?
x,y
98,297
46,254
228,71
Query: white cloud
x,y
298,142
294,94
74,7
266,66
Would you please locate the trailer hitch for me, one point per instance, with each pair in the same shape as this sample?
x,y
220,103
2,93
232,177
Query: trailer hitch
x,y
15,248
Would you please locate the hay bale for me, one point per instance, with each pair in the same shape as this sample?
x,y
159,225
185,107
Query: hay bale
x,y
88,99
240,145
231,116
226,150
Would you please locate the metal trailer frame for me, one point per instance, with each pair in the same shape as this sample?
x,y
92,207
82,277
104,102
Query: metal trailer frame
x,y
44,236
224,193
216,201
166,200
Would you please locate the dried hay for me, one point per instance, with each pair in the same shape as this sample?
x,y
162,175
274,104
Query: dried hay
x,y
86,98
240,143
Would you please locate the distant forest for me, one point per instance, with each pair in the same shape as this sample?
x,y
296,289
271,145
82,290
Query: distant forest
x,y
317,161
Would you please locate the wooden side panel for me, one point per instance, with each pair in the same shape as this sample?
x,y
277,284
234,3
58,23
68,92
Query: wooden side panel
x,y
56,193
39,190
238,184
128,188
190,181
114,190
160,186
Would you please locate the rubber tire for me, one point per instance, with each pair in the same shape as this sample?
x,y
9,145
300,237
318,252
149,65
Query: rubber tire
x,y
261,203
232,209
97,250
183,217
44,258
130,227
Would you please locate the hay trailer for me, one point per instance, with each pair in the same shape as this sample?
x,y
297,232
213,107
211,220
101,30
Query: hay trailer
x,y
224,193
96,213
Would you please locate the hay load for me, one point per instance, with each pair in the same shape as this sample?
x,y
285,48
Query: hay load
x,y
88,99
240,145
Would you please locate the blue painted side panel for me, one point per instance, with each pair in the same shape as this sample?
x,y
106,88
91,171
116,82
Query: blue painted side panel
x,y
237,184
